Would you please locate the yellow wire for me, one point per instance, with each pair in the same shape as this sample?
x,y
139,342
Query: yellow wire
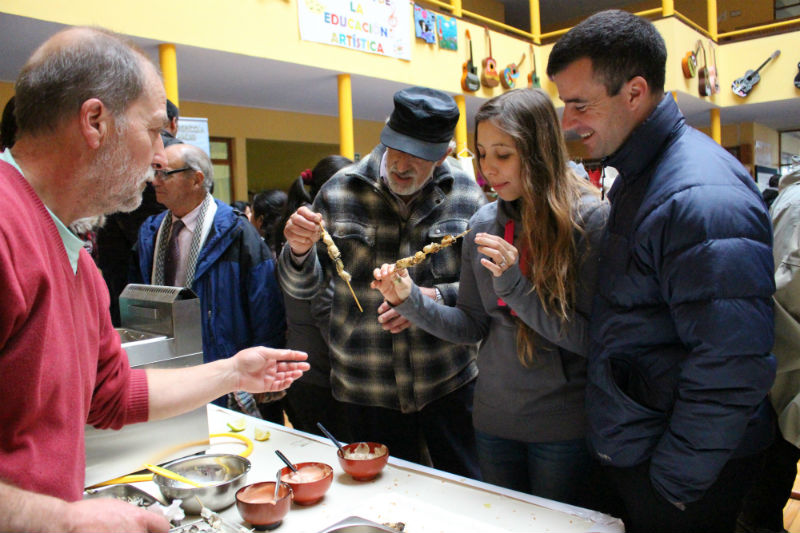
x,y
135,478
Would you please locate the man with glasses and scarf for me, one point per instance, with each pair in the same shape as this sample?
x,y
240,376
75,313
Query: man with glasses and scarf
x,y
202,244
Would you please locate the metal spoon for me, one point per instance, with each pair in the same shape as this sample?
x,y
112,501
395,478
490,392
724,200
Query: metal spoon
x,y
285,460
277,485
333,439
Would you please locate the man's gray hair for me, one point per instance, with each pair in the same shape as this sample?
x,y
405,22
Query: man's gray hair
x,y
197,159
60,76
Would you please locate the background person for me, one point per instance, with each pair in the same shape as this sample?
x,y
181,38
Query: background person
x,y
681,326
203,244
310,399
268,209
762,511
528,271
402,386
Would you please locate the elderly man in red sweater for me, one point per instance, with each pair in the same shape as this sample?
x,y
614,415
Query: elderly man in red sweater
x,y
89,111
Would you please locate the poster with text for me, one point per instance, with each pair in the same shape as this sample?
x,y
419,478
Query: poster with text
x,y
380,27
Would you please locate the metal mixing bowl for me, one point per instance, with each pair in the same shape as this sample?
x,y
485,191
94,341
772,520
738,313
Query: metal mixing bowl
x,y
225,473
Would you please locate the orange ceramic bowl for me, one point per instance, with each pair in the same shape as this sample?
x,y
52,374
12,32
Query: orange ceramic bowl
x,y
366,460
257,505
310,483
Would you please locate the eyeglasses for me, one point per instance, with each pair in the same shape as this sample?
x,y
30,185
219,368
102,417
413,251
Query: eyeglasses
x,y
164,175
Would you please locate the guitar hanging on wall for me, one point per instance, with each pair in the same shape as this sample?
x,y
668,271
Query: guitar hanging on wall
x,y
470,81
713,75
533,78
689,62
489,75
703,79
797,78
511,73
743,85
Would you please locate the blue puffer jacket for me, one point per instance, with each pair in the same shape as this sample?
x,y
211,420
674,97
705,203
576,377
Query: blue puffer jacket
x,y
682,322
241,303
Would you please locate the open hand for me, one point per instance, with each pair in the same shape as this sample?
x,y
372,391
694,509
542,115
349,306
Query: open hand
x,y
263,369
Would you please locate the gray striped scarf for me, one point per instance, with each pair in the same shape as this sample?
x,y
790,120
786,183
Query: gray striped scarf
x,y
194,250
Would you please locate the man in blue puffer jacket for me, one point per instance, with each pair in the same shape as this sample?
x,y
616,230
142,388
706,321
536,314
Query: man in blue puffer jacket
x,y
220,256
682,322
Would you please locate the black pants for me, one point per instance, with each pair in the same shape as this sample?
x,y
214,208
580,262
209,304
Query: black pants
x,y
763,505
643,510
441,431
307,404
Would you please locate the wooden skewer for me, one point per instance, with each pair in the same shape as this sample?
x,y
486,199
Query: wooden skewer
x,y
354,295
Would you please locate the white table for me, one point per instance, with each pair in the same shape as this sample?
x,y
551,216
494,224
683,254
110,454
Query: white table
x,y
426,500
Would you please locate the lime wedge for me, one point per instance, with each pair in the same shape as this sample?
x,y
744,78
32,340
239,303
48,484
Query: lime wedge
x,y
237,425
262,434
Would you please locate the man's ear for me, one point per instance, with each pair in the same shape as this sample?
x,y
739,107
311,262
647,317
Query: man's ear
x,y
440,161
637,92
198,178
95,122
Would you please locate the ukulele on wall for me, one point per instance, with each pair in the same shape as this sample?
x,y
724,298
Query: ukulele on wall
x,y
511,73
689,62
703,80
743,85
713,75
489,75
533,78
469,77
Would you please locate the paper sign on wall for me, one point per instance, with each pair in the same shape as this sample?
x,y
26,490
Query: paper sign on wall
x,y
380,27
447,32
425,24
194,131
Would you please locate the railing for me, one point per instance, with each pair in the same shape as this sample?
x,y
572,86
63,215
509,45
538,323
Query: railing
x,y
667,9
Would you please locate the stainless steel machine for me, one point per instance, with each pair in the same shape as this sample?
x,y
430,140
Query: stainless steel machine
x,y
160,329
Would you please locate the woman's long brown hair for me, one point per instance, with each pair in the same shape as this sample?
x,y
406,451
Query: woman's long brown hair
x,y
551,194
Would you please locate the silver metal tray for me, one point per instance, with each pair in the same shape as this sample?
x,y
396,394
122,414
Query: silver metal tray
x,y
124,492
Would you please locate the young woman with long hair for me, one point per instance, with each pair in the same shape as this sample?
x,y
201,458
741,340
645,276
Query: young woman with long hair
x,y
527,277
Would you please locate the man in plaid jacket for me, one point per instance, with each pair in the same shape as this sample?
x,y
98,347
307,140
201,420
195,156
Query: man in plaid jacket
x,y
401,386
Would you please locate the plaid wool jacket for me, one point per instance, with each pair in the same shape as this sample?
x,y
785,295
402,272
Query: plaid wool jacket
x,y
370,366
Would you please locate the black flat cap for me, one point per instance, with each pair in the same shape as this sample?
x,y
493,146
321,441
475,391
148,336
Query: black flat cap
x,y
422,123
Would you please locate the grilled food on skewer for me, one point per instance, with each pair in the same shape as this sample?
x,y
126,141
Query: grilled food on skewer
x,y
336,257
432,248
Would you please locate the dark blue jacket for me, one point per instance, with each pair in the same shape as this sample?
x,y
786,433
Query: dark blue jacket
x,y
241,303
682,322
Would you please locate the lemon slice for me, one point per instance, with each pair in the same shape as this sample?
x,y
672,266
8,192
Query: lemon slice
x,y
237,425
262,434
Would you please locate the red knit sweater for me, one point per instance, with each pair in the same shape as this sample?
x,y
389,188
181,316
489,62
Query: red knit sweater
x,y
61,364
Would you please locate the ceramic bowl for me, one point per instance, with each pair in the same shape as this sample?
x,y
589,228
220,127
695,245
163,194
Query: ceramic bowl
x,y
223,473
257,505
310,483
363,460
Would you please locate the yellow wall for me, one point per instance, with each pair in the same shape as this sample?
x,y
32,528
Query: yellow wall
x,y
6,92
243,123
277,164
